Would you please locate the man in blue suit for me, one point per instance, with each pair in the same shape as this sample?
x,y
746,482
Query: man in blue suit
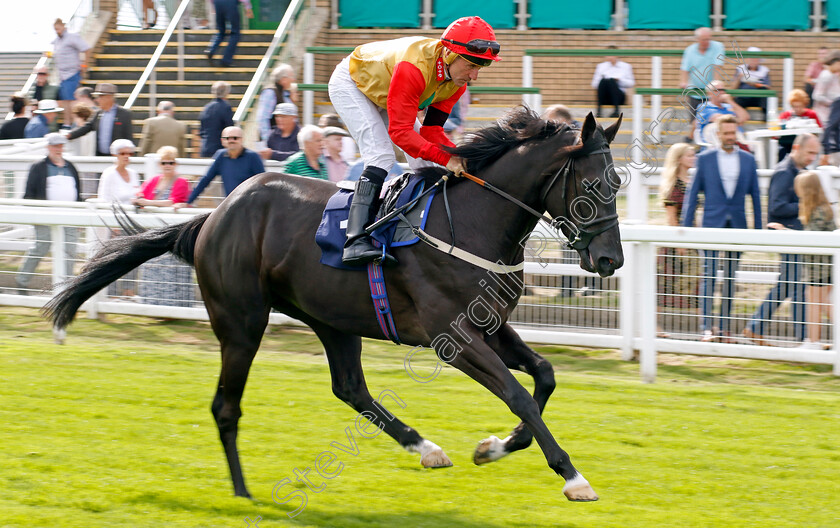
x,y
725,176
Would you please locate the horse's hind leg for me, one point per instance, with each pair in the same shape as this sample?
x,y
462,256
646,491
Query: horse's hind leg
x,y
239,324
481,363
348,384
516,355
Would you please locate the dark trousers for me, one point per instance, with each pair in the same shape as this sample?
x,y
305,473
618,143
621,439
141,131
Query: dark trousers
x,y
227,12
831,132
711,262
609,94
788,286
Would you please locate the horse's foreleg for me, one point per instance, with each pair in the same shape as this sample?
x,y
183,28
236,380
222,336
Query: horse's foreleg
x,y
348,384
481,363
516,355
240,338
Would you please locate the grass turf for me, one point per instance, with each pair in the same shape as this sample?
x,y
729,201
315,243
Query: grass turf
x,y
114,429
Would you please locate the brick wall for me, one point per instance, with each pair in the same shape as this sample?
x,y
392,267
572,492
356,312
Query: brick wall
x,y
567,79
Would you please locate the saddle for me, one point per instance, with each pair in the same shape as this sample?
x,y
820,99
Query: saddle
x,y
398,232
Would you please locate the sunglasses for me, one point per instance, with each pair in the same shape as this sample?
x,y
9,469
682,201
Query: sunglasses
x,y
124,153
231,137
167,163
478,46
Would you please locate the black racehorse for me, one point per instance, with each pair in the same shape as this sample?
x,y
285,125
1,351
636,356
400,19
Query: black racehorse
x,y
256,252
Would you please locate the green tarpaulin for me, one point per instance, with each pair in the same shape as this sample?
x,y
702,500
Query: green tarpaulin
x,y
655,14
379,13
767,14
497,13
832,13
569,14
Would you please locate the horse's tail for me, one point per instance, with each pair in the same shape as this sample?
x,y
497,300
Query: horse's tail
x,y
117,257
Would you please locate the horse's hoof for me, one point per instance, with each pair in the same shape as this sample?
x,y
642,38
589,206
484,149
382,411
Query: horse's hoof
x,y
578,489
489,450
435,459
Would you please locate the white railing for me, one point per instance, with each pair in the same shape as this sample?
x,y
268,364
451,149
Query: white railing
x,y
610,319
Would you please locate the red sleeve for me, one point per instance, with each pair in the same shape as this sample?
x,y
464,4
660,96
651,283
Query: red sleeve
x,y
785,115
180,191
407,85
148,188
813,115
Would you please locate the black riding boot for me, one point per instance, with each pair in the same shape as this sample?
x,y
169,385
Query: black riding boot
x,y
359,249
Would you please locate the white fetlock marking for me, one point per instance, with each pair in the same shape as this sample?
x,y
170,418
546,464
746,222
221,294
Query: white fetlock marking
x,y
424,448
575,482
497,448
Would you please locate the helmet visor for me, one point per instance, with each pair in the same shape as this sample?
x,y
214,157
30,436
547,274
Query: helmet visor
x,y
478,61
478,46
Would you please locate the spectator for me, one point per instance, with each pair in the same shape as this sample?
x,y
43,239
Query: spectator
x,y
799,103
84,146
678,276
283,141
280,90
310,160
719,103
234,163
815,212
827,86
111,122
349,152
813,71
52,178
42,89
783,213
725,176
43,120
752,75
561,114
163,130
611,80
831,136
66,50
697,68
120,183
166,280
167,188
149,14
227,12
215,117
84,95
14,128
336,166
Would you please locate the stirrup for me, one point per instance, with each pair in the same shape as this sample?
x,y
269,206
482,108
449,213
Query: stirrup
x,y
361,251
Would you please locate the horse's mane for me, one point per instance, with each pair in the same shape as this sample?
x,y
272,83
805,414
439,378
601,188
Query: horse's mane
x,y
488,144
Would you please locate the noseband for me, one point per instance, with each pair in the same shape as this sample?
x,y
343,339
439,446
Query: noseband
x,y
587,230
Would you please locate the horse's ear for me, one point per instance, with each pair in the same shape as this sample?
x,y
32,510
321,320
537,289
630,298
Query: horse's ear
x,y
612,130
589,126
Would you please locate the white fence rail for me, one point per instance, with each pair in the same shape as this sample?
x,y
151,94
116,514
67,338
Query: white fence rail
x,y
625,312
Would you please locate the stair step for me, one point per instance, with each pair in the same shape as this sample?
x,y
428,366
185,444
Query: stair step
x,y
192,35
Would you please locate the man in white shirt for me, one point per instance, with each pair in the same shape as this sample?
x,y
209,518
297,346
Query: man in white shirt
x,y
612,79
52,178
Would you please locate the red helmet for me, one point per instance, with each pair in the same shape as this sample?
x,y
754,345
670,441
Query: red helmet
x,y
473,39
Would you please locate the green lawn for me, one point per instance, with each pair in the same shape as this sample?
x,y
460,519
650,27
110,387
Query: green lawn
x,y
114,429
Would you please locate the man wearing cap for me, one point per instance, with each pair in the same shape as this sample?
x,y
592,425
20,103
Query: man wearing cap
x,y
333,143
283,142
378,91
41,88
111,122
52,178
66,50
234,163
163,131
43,120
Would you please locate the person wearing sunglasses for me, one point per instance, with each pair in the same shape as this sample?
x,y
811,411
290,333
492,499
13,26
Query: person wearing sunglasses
x,y
378,91
167,188
234,163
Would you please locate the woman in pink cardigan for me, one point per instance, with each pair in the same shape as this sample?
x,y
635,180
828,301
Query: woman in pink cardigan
x,y
166,188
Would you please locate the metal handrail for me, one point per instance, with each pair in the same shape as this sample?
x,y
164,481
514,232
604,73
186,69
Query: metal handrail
x,y
173,23
257,79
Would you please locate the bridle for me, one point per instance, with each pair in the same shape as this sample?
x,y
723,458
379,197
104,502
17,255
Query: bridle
x,y
585,231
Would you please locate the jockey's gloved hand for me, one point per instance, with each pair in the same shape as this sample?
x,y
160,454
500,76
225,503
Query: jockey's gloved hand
x,y
456,165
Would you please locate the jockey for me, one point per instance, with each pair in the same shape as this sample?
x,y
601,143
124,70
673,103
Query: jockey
x,y
378,91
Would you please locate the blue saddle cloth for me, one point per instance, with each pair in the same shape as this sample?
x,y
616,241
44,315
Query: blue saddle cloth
x,y
332,232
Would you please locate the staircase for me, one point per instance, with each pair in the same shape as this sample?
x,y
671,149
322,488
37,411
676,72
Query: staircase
x,y
126,54
15,68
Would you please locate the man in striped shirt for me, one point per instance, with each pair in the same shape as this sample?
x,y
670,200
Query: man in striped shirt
x,y
310,160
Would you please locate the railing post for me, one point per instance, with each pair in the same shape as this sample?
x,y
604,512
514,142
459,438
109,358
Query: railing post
x,y
152,93
816,18
618,16
59,263
647,304
308,95
334,14
717,15
181,49
787,79
527,77
627,300
835,310
636,196
656,99
427,15
522,15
